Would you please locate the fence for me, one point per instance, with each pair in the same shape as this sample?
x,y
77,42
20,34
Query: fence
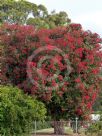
x,y
70,127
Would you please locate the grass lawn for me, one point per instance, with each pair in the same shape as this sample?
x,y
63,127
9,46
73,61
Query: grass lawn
x,y
51,131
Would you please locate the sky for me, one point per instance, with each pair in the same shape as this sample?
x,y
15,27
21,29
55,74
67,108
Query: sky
x,y
86,12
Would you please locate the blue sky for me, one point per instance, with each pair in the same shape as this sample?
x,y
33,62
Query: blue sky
x,y
86,12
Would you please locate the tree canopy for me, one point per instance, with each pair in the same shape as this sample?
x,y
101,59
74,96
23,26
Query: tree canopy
x,y
73,91
24,12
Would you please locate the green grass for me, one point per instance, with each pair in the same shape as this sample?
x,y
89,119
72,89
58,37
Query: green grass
x,y
48,130
51,130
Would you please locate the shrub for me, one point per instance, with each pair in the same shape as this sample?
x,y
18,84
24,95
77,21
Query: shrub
x,y
18,111
95,128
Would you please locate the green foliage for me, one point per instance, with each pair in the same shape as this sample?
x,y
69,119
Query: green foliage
x,y
95,128
43,125
24,12
14,11
98,103
18,111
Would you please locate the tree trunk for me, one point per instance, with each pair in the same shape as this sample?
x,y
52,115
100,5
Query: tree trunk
x,y
58,127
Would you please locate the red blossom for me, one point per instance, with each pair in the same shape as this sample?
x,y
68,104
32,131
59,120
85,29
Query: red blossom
x,y
79,111
87,97
78,80
81,48
89,105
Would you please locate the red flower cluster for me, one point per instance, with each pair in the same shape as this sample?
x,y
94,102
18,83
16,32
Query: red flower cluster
x,y
81,48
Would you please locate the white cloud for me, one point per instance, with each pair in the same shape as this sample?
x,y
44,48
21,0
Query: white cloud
x,y
90,20
91,17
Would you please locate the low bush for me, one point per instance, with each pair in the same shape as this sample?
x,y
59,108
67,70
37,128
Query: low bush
x,y
18,111
95,129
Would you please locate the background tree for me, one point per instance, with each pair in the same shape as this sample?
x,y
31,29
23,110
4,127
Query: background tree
x,y
14,11
24,12
81,87
50,21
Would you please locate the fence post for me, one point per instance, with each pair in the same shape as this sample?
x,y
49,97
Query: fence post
x,y
35,127
76,125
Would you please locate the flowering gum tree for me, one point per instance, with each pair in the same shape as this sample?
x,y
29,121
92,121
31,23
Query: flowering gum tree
x,y
60,66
